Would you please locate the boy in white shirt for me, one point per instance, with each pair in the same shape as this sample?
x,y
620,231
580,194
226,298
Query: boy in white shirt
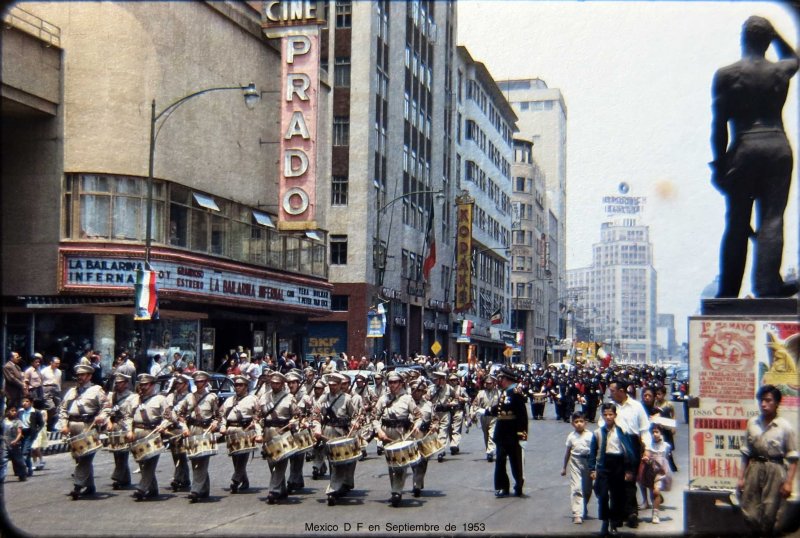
x,y
576,459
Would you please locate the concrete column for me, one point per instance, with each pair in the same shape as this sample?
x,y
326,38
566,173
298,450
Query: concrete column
x,y
103,339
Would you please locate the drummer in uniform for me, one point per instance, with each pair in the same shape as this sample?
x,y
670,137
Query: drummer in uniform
x,y
147,416
199,414
276,409
458,408
440,395
486,400
80,411
368,400
180,390
332,419
118,408
419,393
238,415
305,404
319,466
395,417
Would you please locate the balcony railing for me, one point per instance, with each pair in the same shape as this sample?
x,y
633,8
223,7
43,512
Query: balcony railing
x,y
27,22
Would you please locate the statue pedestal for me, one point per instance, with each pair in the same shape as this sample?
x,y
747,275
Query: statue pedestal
x,y
708,510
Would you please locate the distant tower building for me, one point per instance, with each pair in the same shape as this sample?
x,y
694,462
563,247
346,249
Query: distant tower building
x,y
543,120
621,290
667,344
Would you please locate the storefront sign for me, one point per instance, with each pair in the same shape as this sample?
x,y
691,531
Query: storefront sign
x,y
296,23
94,273
730,359
326,339
463,295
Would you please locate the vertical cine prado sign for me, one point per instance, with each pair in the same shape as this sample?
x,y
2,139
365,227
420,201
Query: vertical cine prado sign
x,y
297,25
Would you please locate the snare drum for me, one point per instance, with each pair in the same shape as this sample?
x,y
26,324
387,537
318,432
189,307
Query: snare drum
x,y
200,446
84,444
343,450
539,398
117,441
303,441
402,454
147,447
241,442
430,445
279,447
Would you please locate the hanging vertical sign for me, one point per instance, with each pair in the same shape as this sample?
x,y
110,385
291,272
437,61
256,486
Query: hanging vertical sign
x,y
297,23
146,302
463,291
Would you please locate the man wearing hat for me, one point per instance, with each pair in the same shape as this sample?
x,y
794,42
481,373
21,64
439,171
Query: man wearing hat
x,y
332,419
148,416
118,408
79,412
486,400
239,416
458,408
427,423
305,404
178,392
319,466
199,413
396,415
368,400
441,395
276,409
510,434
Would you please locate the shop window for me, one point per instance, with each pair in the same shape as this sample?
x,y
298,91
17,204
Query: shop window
x,y
340,303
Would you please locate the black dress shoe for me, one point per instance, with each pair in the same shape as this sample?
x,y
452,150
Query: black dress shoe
x,y
489,458
75,493
272,498
244,486
89,491
380,450
116,485
517,491
331,499
315,474
138,495
501,493
633,522
440,457
416,492
396,498
363,455
234,487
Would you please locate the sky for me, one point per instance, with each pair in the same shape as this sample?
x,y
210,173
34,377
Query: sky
x,y
636,79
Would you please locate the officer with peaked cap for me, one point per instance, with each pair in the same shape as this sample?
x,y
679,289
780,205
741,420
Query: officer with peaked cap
x,y
510,434
332,418
239,415
181,480
199,415
275,410
148,417
118,408
80,410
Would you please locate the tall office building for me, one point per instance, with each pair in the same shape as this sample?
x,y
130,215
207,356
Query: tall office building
x,y
619,290
542,114
392,169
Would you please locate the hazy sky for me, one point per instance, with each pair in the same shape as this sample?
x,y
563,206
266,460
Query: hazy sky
x,y
636,79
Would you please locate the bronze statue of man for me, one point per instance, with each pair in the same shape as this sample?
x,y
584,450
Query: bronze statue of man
x,y
748,96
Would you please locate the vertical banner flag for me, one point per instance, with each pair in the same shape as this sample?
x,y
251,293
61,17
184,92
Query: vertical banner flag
x,y
497,316
466,332
146,302
430,244
463,291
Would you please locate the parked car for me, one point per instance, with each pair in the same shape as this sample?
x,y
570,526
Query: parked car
x,y
369,374
220,384
408,367
680,384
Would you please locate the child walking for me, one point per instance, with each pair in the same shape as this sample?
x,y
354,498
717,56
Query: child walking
x,y
656,474
576,459
13,439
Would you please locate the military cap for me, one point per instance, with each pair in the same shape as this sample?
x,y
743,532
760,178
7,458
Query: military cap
x,y
294,376
200,375
378,375
319,384
146,378
394,376
83,369
119,378
453,377
336,378
507,373
183,378
440,375
241,379
277,376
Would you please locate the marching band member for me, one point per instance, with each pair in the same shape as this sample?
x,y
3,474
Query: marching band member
x,y
332,419
378,392
80,411
427,422
510,434
395,414
305,404
179,391
276,409
319,466
238,416
457,409
368,400
199,414
117,408
440,396
147,417
487,398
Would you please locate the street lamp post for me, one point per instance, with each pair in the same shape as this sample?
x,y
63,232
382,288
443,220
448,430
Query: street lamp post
x,y
251,96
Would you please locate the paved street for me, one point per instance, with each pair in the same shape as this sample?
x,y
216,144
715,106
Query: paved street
x,y
458,499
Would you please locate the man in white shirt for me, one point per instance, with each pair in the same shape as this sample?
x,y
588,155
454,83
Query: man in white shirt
x,y
634,422
51,384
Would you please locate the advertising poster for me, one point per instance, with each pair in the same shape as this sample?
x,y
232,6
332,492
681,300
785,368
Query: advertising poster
x,y
730,359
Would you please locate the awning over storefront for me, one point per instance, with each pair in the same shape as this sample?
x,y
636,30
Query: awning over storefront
x,y
41,301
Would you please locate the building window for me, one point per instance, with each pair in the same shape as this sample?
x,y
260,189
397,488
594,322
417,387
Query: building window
x,y
341,131
341,72
339,187
338,249
344,14
340,303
